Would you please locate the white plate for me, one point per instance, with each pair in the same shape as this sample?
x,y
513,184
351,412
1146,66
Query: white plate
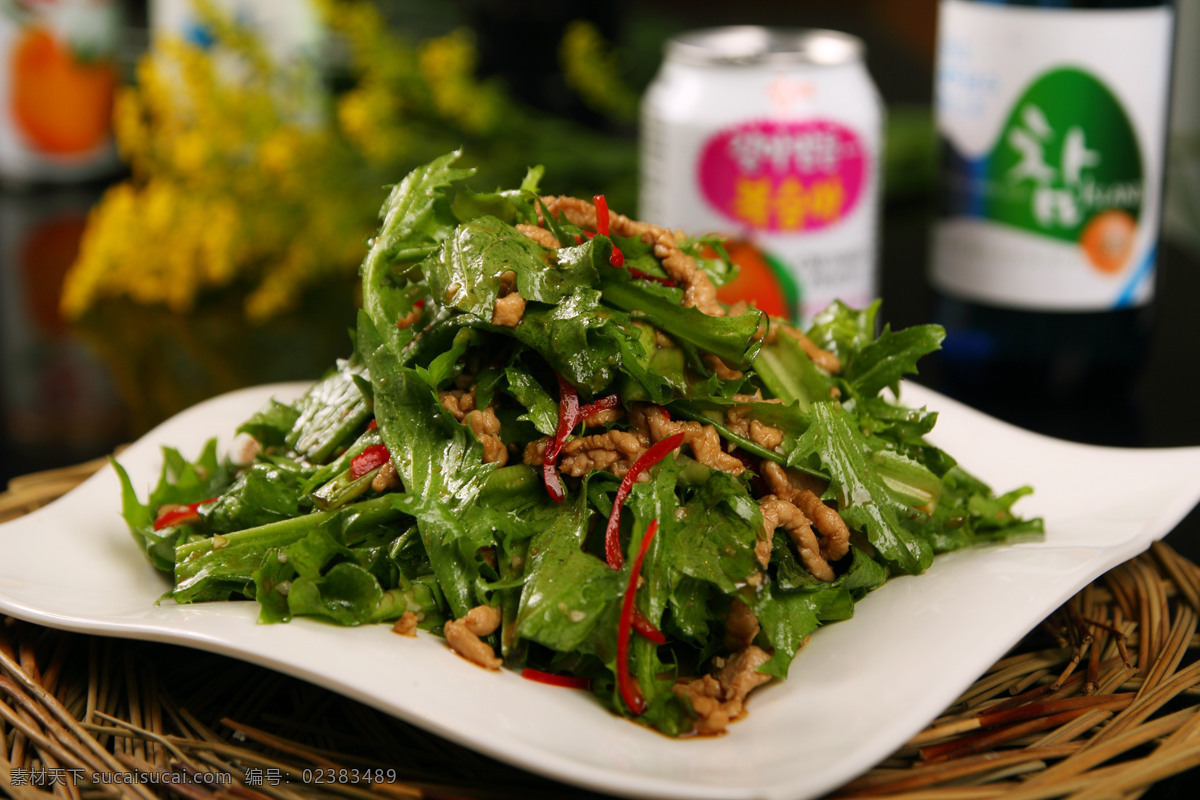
x,y
859,689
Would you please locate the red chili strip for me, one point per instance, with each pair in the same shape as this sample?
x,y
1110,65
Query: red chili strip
x,y
601,214
630,693
370,459
647,628
617,259
568,417
603,404
373,424
612,534
568,681
637,273
181,515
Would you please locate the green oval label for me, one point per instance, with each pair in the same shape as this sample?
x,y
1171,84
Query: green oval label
x,y
1068,165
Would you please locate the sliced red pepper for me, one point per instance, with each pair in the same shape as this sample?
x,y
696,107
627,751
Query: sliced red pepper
x,y
372,425
603,404
630,692
370,459
637,273
612,533
647,628
617,259
568,681
568,416
181,515
601,214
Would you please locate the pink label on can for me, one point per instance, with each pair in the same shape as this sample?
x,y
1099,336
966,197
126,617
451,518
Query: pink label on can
x,y
784,176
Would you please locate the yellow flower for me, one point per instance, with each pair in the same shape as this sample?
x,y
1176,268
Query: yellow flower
x,y
448,65
237,182
189,152
278,152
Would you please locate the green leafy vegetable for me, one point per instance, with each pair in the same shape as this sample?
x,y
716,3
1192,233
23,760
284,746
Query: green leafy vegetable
x,y
413,483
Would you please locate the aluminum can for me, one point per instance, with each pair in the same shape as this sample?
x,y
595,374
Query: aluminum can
x,y
773,136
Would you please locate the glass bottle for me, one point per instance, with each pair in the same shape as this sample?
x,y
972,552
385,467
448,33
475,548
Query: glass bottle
x,y
1052,120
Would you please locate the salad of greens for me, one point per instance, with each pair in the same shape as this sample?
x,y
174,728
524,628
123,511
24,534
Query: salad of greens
x,y
552,446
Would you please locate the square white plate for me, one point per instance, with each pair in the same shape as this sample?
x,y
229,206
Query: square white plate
x,y
856,692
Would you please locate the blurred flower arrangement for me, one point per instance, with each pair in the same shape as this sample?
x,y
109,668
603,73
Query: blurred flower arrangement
x,y
250,176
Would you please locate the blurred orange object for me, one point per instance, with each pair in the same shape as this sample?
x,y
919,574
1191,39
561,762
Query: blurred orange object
x,y
58,80
60,102
760,282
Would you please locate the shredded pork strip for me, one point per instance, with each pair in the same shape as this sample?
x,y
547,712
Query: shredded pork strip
x,y
483,423
656,424
720,699
737,419
821,357
779,513
458,402
741,626
463,636
804,492
486,427
407,624
614,451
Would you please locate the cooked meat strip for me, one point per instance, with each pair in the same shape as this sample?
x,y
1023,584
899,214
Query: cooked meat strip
x,y
741,626
540,235
482,620
719,700
703,439
713,715
470,646
835,534
486,427
458,402
820,356
804,491
613,450
778,513
740,675
463,636
406,625
509,310
721,369
765,435
786,482
535,451
387,478
483,423
604,416
737,420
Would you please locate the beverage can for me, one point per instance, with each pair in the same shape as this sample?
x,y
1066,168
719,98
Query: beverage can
x,y
771,137
58,76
